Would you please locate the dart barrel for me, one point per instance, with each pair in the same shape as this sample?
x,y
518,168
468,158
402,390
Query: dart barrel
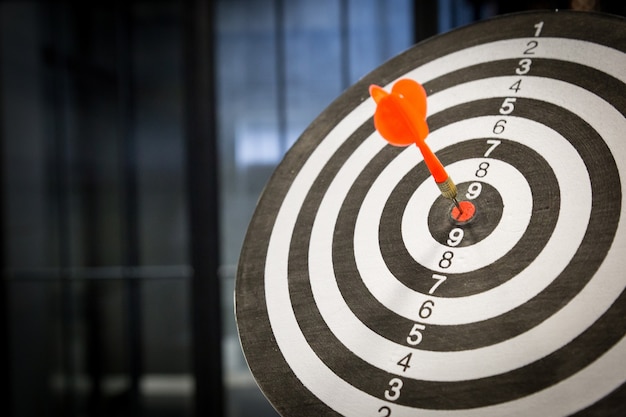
x,y
448,189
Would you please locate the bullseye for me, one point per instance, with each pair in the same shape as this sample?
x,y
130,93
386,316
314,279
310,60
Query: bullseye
x,y
463,213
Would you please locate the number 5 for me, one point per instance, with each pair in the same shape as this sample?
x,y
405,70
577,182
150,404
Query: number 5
x,y
415,335
508,105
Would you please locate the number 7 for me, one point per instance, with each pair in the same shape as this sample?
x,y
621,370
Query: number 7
x,y
440,279
494,144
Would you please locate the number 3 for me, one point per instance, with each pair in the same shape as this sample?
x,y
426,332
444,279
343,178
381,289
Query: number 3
x,y
524,66
393,393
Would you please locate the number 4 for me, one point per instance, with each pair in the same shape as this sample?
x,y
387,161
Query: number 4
x,y
516,86
404,362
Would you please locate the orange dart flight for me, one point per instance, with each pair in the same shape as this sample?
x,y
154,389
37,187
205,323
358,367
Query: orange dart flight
x,y
400,118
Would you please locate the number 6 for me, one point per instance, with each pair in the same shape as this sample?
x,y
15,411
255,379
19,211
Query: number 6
x,y
499,127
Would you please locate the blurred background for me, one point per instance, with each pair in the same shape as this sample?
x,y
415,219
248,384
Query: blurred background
x,y
135,139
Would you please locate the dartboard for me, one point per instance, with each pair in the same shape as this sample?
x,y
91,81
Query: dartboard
x,y
358,291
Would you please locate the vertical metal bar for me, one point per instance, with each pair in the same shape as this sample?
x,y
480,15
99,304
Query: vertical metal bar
x,y
6,397
128,183
476,10
86,150
344,50
382,37
454,14
281,73
59,195
203,193
425,18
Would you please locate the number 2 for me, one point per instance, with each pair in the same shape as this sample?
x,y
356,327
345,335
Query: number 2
x,y
530,46
386,410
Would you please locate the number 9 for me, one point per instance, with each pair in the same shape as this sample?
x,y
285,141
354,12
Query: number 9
x,y
474,190
455,236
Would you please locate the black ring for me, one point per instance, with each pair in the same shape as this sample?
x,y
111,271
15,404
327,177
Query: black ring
x,y
273,373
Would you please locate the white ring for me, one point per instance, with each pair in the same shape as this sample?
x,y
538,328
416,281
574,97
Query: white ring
x,y
440,366
322,382
516,213
570,227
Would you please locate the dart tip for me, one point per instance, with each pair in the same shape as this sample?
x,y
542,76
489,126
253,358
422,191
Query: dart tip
x,y
458,206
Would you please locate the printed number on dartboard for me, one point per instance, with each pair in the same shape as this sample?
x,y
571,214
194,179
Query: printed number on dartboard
x,y
416,334
523,67
456,234
394,387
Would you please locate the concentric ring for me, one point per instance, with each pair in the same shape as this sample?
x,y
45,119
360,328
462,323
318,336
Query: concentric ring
x,y
477,220
384,286
300,340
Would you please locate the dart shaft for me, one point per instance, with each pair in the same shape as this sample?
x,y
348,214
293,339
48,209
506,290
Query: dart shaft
x,y
432,162
400,118
442,179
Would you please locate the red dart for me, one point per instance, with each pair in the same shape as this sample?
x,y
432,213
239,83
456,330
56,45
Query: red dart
x,y
400,118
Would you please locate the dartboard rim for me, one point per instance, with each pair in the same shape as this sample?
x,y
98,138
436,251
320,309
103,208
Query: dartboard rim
x,y
257,344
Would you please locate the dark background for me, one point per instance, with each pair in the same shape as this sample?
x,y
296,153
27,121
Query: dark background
x,y
136,137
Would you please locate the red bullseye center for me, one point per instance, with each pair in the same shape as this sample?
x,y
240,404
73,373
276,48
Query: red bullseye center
x,y
465,214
